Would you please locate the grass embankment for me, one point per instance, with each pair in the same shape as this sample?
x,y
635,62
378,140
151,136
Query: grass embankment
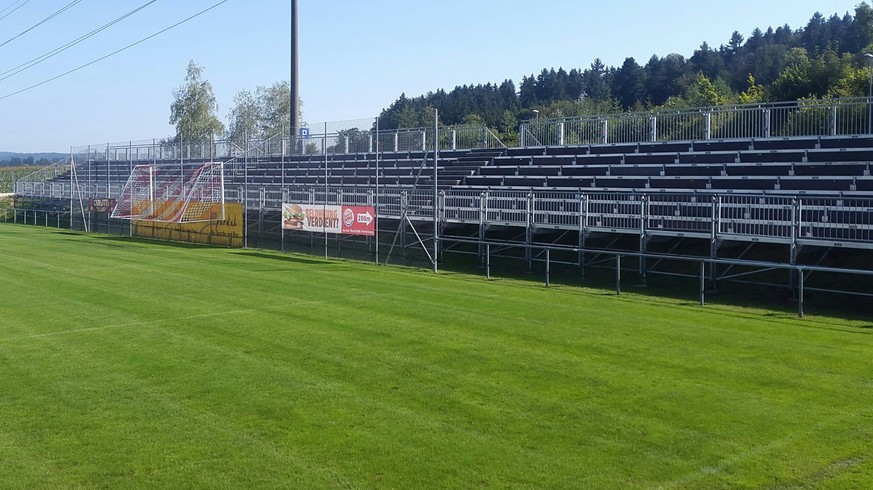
x,y
130,364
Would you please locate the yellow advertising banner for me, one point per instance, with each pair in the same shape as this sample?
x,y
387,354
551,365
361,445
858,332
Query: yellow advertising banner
x,y
222,233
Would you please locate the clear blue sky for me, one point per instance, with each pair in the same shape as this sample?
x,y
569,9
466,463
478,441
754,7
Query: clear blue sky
x,y
356,56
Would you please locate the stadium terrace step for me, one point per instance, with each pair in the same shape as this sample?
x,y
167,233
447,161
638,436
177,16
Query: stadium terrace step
x,y
721,146
525,181
709,157
585,170
537,170
841,155
757,169
501,170
621,182
846,142
614,149
525,152
864,184
566,150
785,144
855,169
597,159
816,183
553,160
650,158
636,170
678,182
772,156
744,183
569,182
665,147
694,169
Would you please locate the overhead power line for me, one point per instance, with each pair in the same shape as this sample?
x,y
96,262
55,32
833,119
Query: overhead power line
x,y
39,59
4,9
21,4
198,14
43,21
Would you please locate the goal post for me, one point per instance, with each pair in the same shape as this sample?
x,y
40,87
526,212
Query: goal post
x,y
173,193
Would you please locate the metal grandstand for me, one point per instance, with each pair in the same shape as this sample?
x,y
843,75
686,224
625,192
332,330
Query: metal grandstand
x,y
713,184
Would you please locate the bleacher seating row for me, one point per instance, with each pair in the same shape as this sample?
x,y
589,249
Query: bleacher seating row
x,y
780,165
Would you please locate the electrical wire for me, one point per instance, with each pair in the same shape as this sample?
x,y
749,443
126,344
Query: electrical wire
x,y
4,9
198,14
39,59
25,2
43,21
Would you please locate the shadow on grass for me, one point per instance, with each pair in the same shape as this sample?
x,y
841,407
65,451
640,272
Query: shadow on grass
x,y
282,258
150,241
777,303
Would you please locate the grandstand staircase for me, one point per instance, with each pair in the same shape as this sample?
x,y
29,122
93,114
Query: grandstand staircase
x,y
454,171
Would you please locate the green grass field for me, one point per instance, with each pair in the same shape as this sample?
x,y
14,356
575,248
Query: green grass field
x,y
132,364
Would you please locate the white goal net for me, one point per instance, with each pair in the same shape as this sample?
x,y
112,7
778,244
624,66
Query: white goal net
x,y
173,193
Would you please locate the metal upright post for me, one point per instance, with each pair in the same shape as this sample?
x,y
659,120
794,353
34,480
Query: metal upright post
x,y
376,199
282,193
436,218
800,296
295,89
548,267
488,260
324,200
869,58
72,179
617,273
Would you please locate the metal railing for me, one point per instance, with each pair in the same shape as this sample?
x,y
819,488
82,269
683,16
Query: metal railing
x,y
750,218
847,221
830,117
314,140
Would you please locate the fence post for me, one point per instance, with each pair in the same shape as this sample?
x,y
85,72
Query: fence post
x,y
833,124
561,133
604,132
800,295
548,264
617,274
454,139
528,233
488,261
766,123
707,125
653,128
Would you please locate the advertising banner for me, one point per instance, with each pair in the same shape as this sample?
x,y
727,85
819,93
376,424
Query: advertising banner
x,y
226,233
97,205
347,220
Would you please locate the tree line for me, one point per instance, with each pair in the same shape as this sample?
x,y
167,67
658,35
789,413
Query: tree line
x,y
823,59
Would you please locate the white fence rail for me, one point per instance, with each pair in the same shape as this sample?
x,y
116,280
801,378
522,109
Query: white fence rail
x,y
850,116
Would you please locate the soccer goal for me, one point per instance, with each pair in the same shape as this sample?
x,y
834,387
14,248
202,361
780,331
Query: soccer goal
x,y
173,193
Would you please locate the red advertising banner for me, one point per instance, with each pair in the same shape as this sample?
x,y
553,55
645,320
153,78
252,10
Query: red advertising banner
x,y
359,220
347,220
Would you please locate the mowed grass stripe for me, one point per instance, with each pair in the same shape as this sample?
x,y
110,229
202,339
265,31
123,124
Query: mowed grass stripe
x,y
188,366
